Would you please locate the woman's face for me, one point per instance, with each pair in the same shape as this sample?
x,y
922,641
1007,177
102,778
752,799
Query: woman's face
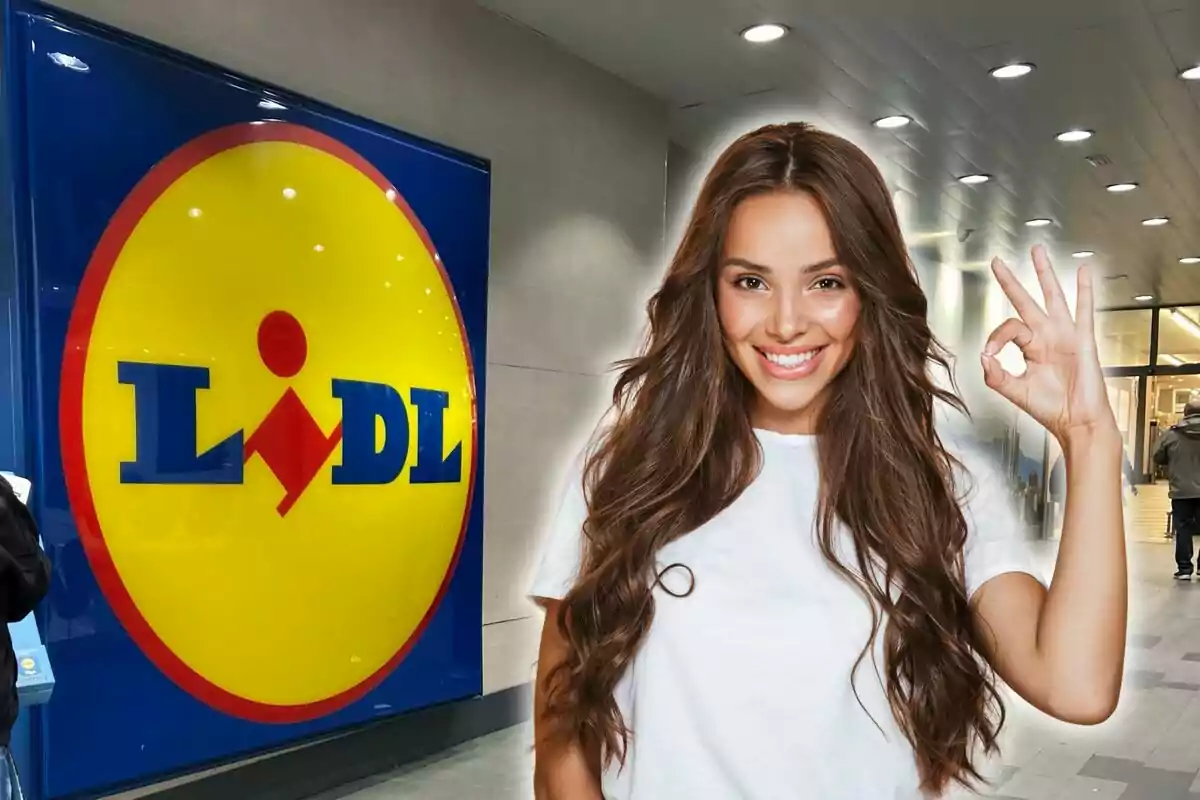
x,y
787,307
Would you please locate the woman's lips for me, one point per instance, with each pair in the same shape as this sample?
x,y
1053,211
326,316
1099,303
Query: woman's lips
x,y
791,366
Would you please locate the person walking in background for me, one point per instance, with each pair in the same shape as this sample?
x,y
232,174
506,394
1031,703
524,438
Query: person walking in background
x,y
1178,452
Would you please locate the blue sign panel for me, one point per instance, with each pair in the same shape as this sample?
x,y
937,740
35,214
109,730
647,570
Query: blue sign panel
x,y
250,338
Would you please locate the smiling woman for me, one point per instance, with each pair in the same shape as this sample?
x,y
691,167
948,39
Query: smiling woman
x,y
789,329
770,577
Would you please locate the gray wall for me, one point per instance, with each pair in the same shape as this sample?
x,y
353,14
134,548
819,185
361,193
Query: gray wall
x,y
577,227
684,172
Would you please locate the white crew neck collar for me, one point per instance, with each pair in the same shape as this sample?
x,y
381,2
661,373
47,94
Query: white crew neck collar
x,y
790,439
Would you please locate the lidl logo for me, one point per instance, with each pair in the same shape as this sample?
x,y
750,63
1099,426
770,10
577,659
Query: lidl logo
x,y
268,421
289,440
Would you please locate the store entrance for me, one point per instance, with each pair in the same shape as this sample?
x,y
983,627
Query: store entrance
x,y
1167,395
1146,513
1151,362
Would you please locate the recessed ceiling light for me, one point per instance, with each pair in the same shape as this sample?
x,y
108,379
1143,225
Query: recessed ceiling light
x,y
1121,187
1012,71
1142,298
1075,135
1154,222
1191,73
760,34
1083,254
1040,222
971,180
894,121
1190,260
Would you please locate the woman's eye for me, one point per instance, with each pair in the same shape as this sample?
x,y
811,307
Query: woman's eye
x,y
750,282
828,283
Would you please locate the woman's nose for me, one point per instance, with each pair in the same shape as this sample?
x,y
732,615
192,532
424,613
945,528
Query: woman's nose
x,y
788,317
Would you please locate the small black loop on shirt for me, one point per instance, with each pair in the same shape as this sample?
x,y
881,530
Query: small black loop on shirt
x,y
658,581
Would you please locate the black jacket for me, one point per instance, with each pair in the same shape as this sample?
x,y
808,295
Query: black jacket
x,y
24,580
1178,450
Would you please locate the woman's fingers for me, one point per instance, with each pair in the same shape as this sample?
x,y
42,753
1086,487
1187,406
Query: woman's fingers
x,y
1056,301
1025,305
1085,306
1007,385
1011,330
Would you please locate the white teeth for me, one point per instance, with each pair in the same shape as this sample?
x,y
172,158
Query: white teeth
x,y
790,361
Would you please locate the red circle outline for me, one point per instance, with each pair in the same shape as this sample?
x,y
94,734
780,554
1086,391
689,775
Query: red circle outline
x,y
79,331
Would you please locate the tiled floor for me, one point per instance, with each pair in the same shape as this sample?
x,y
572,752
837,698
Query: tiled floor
x,y
496,767
1147,513
1149,750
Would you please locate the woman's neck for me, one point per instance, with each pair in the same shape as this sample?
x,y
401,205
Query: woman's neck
x,y
785,422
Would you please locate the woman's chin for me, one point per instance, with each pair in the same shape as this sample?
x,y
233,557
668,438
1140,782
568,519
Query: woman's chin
x,y
779,410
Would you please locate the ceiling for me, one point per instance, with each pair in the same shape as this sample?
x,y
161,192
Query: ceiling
x,y
1106,65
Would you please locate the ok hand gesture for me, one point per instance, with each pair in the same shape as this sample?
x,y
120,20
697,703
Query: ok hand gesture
x,y
1063,386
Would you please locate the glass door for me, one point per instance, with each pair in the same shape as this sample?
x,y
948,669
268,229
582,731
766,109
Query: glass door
x,y
1168,394
1123,397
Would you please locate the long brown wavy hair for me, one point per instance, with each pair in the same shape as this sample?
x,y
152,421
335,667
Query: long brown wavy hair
x,y
680,448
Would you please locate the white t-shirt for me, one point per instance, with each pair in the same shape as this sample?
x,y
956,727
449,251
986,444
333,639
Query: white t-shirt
x,y
742,689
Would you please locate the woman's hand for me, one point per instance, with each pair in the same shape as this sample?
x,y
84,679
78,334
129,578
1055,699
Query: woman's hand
x,y
1063,649
1063,386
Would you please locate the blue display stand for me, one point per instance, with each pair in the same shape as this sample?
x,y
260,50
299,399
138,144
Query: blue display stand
x,y
35,677
97,127
35,685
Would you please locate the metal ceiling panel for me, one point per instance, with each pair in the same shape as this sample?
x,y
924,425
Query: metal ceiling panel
x,y
1106,65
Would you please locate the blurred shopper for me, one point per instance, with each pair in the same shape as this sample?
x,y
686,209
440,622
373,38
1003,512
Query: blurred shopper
x,y
24,580
769,576
1178,453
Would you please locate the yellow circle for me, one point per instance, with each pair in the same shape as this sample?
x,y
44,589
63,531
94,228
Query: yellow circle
x,y
319,600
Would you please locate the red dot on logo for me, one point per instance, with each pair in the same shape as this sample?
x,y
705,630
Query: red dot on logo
x,y
282,344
